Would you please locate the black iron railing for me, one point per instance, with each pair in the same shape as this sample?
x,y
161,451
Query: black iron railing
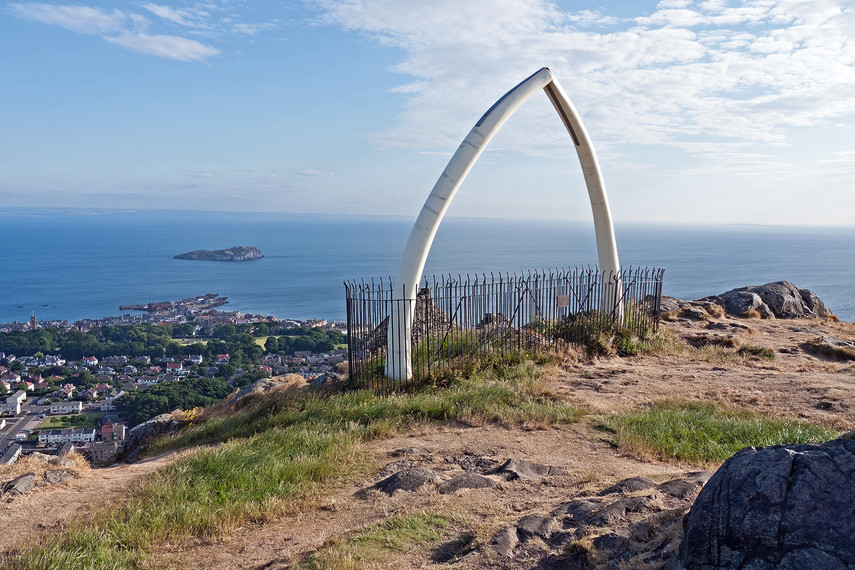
x,y
463,319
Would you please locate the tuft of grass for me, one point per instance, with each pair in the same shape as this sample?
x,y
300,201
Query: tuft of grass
x,y
400,534
273,455
711,349
702,433
761,351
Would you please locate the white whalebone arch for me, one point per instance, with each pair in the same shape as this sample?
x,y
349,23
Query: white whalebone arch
x,y
399,336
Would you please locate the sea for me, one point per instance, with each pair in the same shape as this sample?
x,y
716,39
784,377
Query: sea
x,y
77,264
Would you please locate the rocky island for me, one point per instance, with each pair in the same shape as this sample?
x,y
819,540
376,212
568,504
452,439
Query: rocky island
x,y
237,253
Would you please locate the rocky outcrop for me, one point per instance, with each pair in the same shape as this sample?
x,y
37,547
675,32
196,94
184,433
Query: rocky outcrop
x,y
632,524
832,347
63,461
141,436
408,480
237,253
635,523
19,485
528,470
780,507
781,300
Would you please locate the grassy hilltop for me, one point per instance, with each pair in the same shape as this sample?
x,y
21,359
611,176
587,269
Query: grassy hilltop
x,y
296,467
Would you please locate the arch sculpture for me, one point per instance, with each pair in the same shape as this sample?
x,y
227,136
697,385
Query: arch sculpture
x,y
399,334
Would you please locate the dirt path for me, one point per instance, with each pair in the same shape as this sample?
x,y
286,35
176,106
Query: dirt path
x,y
50,508
589,461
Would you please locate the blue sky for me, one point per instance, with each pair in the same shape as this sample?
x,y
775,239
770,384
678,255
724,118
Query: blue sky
x,y
701,111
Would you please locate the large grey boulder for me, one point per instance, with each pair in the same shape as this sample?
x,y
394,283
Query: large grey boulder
x,y
780,299
781,507
20,485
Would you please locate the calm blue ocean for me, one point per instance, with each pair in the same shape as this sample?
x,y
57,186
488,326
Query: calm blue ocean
x,y
62,265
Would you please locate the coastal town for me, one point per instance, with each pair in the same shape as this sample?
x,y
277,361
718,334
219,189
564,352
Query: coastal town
x,y
54,403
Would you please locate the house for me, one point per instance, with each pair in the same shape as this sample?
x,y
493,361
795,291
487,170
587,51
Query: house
x,y
51,360
11,455
74,435
89,361
102,451
268,370
111,431
91,394
74,407
146,380
195,359
11,377
65,449
12,406
222,359
173,366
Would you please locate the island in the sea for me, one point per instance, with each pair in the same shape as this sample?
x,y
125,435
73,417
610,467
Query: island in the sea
x,y
237,253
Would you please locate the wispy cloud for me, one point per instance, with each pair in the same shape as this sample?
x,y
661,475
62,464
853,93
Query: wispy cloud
x,y
169,47
747,73
194,18
134,31
80,19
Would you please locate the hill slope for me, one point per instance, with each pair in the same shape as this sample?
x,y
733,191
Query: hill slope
x,y
776,368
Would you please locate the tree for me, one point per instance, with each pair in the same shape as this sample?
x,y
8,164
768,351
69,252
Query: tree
x,y
261,329
271,344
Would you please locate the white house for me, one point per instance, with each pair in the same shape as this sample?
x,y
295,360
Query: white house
x,y
13,403
56,436
72,407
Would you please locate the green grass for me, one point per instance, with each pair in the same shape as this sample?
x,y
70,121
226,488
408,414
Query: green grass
x,y
272,456
761,351
69,420
399,534
702,433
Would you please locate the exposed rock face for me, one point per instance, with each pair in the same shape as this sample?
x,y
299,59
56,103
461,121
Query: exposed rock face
x,y
786,506
140,437
528,470
632,524
237,253
54,460
19,485
781,300
468,480
408,480
830,346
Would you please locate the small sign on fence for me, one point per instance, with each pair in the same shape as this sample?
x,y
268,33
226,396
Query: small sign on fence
x,y
563,301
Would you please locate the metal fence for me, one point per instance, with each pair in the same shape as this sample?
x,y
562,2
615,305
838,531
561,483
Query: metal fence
x,y
458,321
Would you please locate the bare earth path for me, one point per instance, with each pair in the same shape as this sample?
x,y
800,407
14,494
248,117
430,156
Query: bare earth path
x,y
51,507
795,383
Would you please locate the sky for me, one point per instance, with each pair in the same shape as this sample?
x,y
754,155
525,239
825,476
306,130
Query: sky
x,y
701,112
